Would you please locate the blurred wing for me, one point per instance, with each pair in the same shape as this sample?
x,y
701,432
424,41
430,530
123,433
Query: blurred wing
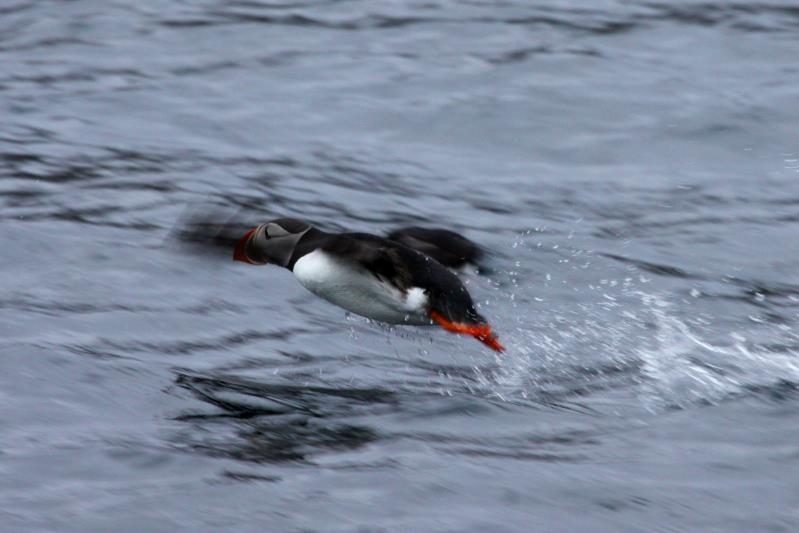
x,y
446,247
208,231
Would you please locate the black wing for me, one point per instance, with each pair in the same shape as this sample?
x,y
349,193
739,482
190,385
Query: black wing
x,y
404,268
209,231
447,247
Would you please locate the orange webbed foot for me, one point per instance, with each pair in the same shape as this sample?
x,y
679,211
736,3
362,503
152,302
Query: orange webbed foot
x,y
481,332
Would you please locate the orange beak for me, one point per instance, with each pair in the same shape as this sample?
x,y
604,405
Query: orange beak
x,y
481,332
240,253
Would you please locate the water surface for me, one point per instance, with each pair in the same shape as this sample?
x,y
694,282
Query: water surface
x,y
631,166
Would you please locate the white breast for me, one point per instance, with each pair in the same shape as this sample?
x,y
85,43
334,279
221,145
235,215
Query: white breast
x,y
358,291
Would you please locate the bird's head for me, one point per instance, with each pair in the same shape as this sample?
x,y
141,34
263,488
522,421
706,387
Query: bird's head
x,y
271,242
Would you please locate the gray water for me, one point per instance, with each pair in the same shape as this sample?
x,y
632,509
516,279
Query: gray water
x,y
633,168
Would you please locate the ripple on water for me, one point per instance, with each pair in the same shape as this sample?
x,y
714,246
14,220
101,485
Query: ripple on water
x,y
630,169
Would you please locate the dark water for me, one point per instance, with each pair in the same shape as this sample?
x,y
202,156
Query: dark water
x,y
632,166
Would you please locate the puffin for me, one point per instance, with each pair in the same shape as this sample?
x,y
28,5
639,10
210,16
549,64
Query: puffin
x,y
380,278
447,247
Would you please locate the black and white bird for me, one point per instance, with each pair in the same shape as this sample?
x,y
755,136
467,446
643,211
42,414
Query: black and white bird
x,y
376,277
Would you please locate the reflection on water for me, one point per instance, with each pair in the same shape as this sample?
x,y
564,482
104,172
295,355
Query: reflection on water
x,y
280,423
